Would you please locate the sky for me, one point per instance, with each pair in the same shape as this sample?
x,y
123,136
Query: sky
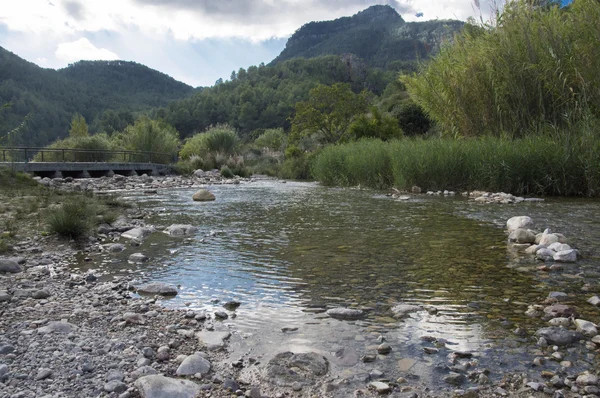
x,y
194,41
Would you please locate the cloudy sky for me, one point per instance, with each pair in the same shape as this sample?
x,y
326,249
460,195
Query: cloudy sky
x,y
195,41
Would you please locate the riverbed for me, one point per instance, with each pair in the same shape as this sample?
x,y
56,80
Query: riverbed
x,y
289,251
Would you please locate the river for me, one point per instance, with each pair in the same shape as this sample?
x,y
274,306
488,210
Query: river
x,y
288,251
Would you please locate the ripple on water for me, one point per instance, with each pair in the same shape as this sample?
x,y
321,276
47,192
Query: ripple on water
x,y
289,251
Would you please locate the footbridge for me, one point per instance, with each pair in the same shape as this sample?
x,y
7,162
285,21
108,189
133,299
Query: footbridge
x,y
84,163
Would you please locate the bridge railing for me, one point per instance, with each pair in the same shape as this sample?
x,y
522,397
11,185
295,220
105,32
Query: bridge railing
x,y
34,154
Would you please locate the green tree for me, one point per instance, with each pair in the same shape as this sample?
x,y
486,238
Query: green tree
x,y
375,124
271,138
329,112
149,135
79,127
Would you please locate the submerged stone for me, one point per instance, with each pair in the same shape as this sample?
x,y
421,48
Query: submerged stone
x,y
345,313
287,368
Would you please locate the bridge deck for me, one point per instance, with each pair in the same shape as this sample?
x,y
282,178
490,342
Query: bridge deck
x,y
85,169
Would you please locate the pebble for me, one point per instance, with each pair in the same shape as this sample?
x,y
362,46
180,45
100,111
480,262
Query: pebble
x,y
43,373
384,349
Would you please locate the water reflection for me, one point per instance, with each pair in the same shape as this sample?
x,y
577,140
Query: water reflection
x,y
289,251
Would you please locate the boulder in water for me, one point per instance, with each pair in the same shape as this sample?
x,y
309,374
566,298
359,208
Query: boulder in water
x,y
203,195
519,222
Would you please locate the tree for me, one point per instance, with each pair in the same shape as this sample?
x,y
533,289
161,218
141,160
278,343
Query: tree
x,y
79,127
329,111
149,135
375,124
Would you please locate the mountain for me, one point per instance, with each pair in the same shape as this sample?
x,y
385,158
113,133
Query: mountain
x,y
263,97
48,98
378,35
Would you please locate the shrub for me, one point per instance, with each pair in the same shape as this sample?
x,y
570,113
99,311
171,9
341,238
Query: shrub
x,y
73,219
95,144
375,125
226,172
220,139
147,135
273,139
537,66
298,167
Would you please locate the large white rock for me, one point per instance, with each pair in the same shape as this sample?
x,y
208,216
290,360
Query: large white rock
x,y
566,256
156,386
549,239
519,222
521,235
545,254
558,247
586,327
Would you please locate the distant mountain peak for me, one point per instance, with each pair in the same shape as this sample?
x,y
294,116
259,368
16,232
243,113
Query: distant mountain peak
x,y
377,34
380,12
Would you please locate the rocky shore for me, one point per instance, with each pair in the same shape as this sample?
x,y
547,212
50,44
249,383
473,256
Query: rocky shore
x,y
66,333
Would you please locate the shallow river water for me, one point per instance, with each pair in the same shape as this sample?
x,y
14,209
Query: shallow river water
x,y
288,251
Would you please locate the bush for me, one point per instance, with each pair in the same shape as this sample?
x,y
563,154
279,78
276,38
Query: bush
x,y
226,172
273,139
298,167
375,125
537,66
147,135
220,139
95,144
412,119
73,219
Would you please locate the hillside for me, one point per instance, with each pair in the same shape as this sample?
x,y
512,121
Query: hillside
x,y
51,97
378,35
265,96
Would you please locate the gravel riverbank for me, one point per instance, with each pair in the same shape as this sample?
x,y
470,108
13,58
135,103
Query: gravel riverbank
x,y
64,333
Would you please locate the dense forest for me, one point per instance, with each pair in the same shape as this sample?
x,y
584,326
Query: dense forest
x,y
264,97
47,99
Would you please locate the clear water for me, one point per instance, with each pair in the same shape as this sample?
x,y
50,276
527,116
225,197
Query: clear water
x,y
290,251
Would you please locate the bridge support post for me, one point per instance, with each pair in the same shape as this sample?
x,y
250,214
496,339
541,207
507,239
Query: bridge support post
x,y
57,174
84,174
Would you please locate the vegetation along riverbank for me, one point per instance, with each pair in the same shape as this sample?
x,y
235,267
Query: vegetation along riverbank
x,y
424,296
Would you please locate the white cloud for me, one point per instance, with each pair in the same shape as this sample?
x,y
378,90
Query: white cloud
x,y
83,49
254,20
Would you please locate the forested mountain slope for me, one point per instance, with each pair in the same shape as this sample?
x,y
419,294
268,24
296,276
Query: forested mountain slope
x,y
378,35
47,98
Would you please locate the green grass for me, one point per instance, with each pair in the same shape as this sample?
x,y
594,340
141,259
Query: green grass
x,y
553,164
73,219
11,180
